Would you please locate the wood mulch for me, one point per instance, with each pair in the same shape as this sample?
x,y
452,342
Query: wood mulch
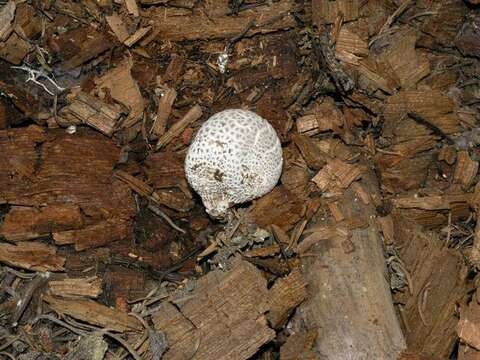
x,y
369,246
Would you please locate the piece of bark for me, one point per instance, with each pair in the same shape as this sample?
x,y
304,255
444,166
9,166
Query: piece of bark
x,y
89,110
31,256
94,313
434,106
356,274
322,117
65,169
176,129
232,302
197,25
375,75
433,202
163,112
79,45
123,88
96,235
137,36
408,65
132,7
429,310
24,223
350,42
336,175
325,12
286,294
118,26
313,155
7,15
465,170
280,207
441,28
76,287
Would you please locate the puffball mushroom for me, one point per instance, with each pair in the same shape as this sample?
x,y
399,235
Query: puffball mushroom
x,y
235,157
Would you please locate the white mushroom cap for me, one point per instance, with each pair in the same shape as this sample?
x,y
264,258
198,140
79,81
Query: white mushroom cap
x,y
235,157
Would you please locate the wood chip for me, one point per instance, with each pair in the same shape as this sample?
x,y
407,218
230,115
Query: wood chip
x,y
336,174
7,14
93,236
232,302
286,294
323,117
325,12
124,89
197,25
89,110
118,26
24,223
465,170
350,42
434,202
132,7
176,129
94,313
280,207
76,287
163,112
34,256
137,36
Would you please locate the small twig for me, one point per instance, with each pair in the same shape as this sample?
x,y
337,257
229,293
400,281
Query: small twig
x,y
165,217
400,10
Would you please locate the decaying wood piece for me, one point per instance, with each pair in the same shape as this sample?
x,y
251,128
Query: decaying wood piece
x,y
32,256
64,187
96,235
190,117
76,287
80,45
94,313
355,275
286,294
233,302
336,175
89,110
7,14
429,306
197,25
466,169
24,223
279,207
163,111
123,88
322,117
326,12
300,346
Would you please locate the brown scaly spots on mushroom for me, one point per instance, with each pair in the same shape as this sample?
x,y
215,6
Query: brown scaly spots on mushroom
x,y
236,157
